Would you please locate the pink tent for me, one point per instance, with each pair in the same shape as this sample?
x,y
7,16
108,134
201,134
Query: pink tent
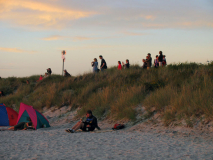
x,y
26,112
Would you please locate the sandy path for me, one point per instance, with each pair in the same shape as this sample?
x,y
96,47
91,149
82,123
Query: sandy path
x,y
55,143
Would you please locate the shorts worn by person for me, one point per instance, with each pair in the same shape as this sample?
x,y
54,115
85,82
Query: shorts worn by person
x,y
89,125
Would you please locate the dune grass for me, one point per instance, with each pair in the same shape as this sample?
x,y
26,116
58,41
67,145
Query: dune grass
x,y
178,91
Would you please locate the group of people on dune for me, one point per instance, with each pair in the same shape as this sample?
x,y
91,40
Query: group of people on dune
x,y
160,61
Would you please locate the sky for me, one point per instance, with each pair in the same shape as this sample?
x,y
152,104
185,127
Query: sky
x,y
33,33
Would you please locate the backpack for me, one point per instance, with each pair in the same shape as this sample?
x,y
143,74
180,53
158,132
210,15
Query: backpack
x,y
118,126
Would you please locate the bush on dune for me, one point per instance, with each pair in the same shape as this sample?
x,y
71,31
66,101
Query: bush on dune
x,y
178,91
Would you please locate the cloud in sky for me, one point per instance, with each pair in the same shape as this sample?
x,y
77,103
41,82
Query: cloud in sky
x,y
15,50
52,38
35,13
154,14
133,33
76,38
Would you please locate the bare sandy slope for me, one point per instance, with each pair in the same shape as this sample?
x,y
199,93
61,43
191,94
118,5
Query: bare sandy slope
x,y
55,143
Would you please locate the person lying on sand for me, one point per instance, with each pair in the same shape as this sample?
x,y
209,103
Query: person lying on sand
x,y
89,125
22,126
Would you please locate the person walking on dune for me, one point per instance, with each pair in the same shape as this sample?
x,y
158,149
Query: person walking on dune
x,y
126,65
95,65
103,63
148,61
119,65
160,58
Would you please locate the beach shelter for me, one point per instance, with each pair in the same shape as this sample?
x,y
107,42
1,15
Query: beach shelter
x,y
26,112
8,117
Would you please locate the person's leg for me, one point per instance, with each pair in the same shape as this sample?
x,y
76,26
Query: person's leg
x,y
76,127
160,64
76,124
11,128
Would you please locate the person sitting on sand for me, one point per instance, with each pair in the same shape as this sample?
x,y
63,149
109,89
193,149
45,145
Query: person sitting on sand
x,y
22,126
66,74
89,125
119,65
40,78
126,65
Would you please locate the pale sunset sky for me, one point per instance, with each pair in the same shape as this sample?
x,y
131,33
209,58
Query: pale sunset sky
x,y
34,32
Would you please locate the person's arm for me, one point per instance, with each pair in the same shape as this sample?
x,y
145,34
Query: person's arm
x,y
102,65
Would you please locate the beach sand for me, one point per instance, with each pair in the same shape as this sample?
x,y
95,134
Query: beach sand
x,y
55,143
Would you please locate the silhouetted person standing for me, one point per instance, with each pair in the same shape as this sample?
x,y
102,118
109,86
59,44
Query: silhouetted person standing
x,y
160,58
49,71
126,65
103,63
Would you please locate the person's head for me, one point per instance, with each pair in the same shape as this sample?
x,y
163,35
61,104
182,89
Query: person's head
x,y
164,56
160,52
143,60
100,56
89,113
119,62
127,61
41,76
29,119
147,57
0,92
65,70
95,59
149,54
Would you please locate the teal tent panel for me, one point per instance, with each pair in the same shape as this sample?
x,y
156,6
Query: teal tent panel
x,y
24,117
41,120
39,123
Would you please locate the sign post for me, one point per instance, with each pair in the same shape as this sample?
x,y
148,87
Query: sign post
x,y
63,59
